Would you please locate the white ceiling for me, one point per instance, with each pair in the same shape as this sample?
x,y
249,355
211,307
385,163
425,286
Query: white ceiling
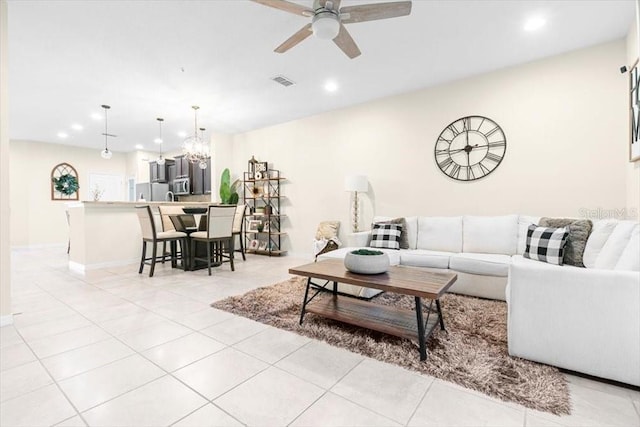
x,y
151,59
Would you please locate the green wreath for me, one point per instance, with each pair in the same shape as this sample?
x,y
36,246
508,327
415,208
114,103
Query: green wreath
x,y
66,184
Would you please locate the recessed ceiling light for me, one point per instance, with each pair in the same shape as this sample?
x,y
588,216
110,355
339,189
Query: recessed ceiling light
x,y
62,135
534,23
96,116
139,146
77,127
331,86
157,141
182,134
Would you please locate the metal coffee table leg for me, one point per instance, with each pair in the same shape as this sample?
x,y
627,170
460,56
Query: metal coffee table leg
x,y
440,314
421,340
304,302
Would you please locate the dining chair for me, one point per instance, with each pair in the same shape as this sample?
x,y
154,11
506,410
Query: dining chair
x,y
218,236
151,235
167,225
238,227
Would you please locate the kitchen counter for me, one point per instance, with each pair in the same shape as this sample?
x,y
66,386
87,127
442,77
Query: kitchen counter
x,y
107,234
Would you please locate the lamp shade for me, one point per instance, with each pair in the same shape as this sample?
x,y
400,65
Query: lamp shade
x,y
356,183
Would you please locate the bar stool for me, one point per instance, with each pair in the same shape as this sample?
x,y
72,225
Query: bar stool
x,y
167,224
149,234
219,235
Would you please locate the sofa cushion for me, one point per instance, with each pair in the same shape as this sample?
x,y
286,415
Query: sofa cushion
x,y
386,236
404,238
579,230
630,258
546,244
524,221
440,233
425,258
599,234
615,245
394,255
411,231
483,264
490,234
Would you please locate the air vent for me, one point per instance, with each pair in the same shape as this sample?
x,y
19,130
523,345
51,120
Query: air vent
x,y
283,81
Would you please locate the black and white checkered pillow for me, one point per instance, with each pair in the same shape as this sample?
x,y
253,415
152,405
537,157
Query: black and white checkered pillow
x,y
386,236
546,244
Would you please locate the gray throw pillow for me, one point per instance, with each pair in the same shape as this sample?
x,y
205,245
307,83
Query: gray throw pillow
x,y
579,231
404,237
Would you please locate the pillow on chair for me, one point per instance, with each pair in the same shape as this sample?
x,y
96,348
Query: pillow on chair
x,y
327,230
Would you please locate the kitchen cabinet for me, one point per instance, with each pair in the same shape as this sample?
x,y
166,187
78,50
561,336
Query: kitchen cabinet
x,y
159,173
183,167
201,179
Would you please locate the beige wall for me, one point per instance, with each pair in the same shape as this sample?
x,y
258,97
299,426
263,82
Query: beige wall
x,y
35,218
5,254
566,127
633,169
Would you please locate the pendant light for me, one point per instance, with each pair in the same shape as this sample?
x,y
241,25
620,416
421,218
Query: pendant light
x,y
203,162
160,160
106,153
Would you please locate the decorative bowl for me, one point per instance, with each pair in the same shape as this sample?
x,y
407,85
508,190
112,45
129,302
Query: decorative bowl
x,y
364,261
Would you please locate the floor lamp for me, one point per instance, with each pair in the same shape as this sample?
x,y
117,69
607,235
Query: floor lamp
x,y
355,184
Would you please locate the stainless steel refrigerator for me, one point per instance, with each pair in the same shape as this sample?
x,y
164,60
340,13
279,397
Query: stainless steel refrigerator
x,y
153,192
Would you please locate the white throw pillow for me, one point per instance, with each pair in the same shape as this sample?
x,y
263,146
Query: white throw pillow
x,y
630,258
599,234
615,244
440,233
490,234
524,221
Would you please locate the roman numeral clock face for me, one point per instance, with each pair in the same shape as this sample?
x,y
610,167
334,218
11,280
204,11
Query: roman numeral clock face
x,y
470,148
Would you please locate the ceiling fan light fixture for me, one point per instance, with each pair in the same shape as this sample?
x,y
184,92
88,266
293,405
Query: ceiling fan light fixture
x,y
326,25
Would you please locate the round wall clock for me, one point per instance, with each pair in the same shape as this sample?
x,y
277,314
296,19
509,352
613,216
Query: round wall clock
x,y
470,148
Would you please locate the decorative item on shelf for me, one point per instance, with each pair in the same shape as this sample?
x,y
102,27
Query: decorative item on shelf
x,y
106,153
260,210
251,167
266,227
257,191
260,227
263,246
228,191
252,226
268,210
195,149
64,182
96,193
159,140
255,243
634,113
261,170
365,261
470,148
356,184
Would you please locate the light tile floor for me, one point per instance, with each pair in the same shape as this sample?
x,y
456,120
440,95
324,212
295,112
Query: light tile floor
x,y
114,348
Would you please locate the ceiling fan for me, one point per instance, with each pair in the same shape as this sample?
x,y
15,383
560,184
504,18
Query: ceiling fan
x,y
328,19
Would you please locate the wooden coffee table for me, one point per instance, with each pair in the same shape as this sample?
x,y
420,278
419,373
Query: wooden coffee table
x,y
415,282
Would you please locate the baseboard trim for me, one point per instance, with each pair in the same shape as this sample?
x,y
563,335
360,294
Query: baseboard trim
x,y
76,267
6,320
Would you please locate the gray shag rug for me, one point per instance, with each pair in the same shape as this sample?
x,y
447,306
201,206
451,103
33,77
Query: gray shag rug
x,y
472,352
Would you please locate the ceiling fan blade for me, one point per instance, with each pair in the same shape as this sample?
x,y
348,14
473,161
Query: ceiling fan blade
x,y
302,34
346,43
287,6
335,4
374,11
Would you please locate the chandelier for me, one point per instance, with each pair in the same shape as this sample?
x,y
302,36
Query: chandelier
x,y
195,149
106,153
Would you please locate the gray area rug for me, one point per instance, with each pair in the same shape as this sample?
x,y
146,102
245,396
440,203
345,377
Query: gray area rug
x,y
472,352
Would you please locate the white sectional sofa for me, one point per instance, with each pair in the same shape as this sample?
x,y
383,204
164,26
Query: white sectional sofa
x,y
581,319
